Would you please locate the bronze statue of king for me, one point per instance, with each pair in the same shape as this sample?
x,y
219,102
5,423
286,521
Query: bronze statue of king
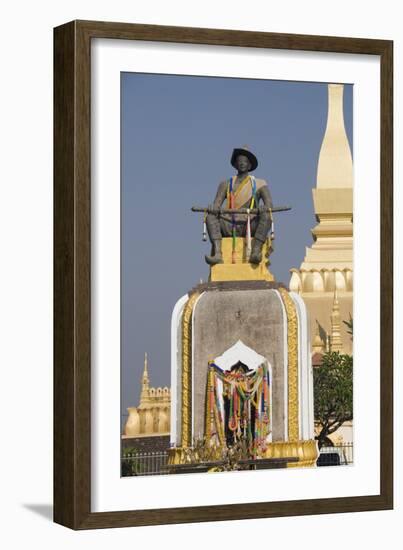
x,y
241,193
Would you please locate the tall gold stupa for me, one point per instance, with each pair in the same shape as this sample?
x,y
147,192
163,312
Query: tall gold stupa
x,y
328,264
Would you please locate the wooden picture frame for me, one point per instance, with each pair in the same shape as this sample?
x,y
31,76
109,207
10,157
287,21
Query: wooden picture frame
x,y
72,272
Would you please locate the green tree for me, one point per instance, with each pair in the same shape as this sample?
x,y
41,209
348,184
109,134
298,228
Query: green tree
x,y
350,326
333,394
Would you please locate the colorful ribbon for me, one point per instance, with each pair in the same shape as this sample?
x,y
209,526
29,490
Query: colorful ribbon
x,y
231,205
246,393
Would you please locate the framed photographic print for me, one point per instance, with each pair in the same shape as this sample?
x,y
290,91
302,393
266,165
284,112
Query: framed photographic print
x,y
223,275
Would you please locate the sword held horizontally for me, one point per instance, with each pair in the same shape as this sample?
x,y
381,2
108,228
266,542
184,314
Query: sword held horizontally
x,y
211,210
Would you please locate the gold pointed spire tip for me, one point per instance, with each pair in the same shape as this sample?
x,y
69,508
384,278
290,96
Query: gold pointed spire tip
x,y
145,371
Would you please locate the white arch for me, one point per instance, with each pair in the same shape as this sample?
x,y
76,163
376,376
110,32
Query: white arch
x,y
193,364
239,352
305,375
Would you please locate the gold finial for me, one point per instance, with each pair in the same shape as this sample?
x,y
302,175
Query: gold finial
x,y
317,345
145,372
335,300
336,343
145,382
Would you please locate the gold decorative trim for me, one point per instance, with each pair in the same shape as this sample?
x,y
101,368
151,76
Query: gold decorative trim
x,y
306,451
186,438
178,455
292,342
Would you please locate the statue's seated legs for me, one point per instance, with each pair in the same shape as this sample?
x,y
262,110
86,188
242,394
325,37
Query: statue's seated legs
x,y
220,226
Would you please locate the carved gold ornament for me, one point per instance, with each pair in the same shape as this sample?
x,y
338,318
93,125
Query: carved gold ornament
x,y
292,343
186,439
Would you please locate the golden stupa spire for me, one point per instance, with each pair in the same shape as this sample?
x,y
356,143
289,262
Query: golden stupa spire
x,y
328,263
317,346
145,382
145,372
335,165
335,337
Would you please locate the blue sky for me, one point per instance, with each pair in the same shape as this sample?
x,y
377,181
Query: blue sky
x,y
178,133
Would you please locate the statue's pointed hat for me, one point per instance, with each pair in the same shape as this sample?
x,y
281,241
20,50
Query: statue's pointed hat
x,y
244,151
